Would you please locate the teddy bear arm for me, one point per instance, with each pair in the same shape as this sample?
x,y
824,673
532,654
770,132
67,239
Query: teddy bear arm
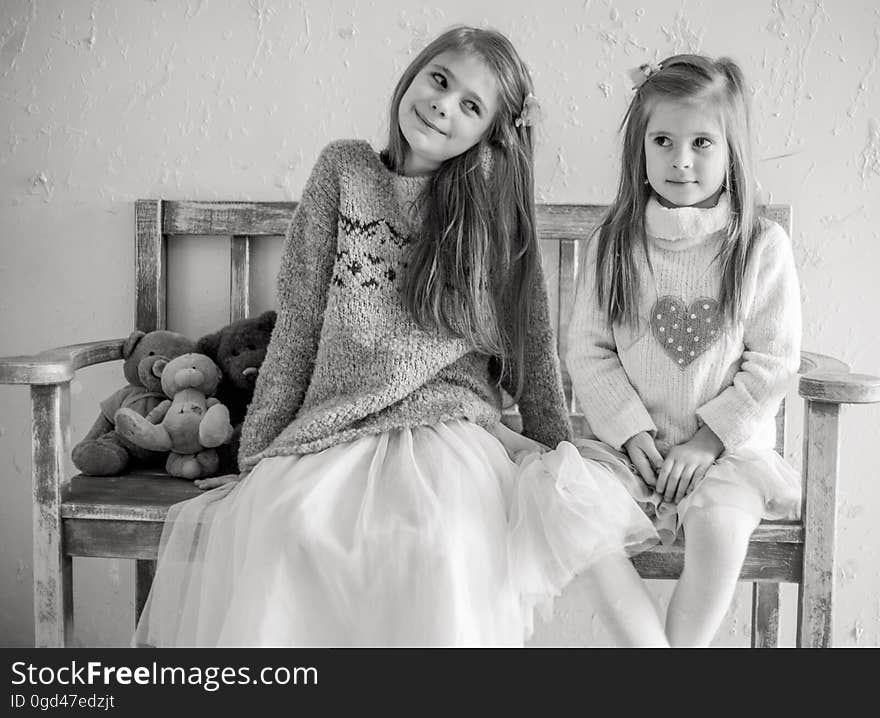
x,y
159,411
215,428
141,432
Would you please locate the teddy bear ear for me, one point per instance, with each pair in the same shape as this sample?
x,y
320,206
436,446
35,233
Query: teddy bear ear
x,y
267,318
133,340
209,345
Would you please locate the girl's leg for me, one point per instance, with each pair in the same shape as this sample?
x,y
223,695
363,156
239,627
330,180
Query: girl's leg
x,y
716,540
624,603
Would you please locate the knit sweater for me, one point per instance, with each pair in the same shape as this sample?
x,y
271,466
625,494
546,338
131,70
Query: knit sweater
x,y
684,365
346,358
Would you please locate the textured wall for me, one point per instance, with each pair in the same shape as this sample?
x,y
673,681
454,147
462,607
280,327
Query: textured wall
x,y
106,102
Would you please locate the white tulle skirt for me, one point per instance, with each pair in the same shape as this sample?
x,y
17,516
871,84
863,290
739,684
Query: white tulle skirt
x,y
448,535
757,481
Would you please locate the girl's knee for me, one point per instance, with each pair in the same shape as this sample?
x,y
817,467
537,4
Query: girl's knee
x,y
718,535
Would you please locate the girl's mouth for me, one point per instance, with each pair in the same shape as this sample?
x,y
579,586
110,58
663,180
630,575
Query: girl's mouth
x,y
428,123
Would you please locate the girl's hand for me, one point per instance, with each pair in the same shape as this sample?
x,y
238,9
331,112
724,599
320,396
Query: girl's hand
x,y
214,481
687,463
644,455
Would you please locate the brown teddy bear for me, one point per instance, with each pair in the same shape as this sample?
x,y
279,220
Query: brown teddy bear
x,y
239,349
103,452
189,425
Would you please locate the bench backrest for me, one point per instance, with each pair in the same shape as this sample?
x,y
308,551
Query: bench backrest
x,y
562,229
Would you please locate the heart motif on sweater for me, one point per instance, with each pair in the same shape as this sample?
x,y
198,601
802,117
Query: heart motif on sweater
x,y
685,331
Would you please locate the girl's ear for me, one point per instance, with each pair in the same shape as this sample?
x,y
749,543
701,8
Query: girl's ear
x,y
133,340
267,319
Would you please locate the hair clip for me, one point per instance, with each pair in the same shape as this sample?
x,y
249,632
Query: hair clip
x,y
530,113
639,75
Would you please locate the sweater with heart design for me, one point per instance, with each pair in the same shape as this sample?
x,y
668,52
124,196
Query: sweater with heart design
x,y
684,365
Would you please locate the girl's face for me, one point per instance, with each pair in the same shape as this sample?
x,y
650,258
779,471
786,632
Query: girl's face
x,y
685,154
446,110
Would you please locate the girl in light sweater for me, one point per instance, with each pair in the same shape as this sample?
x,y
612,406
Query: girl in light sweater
x,y
383,502
686,332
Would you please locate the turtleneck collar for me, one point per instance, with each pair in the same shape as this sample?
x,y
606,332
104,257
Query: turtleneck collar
x,y
677,228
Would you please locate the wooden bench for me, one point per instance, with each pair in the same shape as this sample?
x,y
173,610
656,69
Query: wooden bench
x,y
122,517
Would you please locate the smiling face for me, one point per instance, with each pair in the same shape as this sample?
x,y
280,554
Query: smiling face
x,y
685,154
446,110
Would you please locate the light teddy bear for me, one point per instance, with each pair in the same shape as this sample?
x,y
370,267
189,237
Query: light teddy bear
x,y
190,424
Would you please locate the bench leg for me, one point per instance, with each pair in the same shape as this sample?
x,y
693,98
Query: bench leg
x,y
53,570
143,581
815,592
765,615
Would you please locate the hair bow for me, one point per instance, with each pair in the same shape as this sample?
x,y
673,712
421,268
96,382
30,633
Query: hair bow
x,y
530,113
639,75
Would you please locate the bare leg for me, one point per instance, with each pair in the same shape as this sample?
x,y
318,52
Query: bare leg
x,y
716,540
624,603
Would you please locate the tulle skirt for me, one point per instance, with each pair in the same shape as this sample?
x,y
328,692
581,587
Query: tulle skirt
x,y
757,481
446,535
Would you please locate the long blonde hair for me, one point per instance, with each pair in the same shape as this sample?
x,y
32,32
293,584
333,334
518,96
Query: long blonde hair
x,y
471,270
688,79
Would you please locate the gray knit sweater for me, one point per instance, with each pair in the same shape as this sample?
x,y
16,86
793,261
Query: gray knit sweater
x,y
346,358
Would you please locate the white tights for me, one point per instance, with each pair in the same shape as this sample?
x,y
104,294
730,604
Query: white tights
x,y
716,540
625,606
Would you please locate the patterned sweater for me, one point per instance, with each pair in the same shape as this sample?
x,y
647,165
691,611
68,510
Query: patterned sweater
x,y
684,366
346,358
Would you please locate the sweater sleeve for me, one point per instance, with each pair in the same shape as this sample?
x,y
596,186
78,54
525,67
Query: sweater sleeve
x,y
772,340
610,403
303,282
542,402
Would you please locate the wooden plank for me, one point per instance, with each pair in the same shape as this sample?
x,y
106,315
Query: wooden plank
x,y
53,570
779,213
779,446
821,445
58,365
554,221
227,218
112,538
820,386
765,615
774,562
145,571
568,265
131,497
150,271
239,277
568,222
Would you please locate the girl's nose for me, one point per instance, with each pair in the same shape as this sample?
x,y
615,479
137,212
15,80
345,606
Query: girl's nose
x,y
682,160
439,108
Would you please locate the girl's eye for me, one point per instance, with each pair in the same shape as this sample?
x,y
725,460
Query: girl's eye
x,y
662,141
439,78
472,107
702,143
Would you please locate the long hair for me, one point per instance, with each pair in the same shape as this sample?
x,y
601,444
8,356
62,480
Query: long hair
x,y
471,270
717,84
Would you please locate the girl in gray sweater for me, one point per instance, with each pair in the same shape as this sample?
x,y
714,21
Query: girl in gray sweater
x,y
383,502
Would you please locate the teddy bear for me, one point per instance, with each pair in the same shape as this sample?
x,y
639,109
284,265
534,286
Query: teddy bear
x,y
103,452
239,349
190,424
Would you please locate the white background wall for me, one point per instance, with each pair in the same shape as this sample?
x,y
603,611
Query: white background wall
x,y
106,102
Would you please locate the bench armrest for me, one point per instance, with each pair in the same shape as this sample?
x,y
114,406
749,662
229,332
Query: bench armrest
x,y
810,362
840,388
56,366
